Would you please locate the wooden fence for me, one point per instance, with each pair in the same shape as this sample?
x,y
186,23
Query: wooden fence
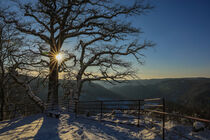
x,y
132,112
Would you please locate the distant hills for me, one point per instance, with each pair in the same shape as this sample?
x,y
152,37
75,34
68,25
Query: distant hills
x,y
97,92
191,93
188,95
188,91
90,91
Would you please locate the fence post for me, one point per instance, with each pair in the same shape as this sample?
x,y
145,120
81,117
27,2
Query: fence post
x,y
138,113
101,109
163,125
76,109
25,110
68,106
15,111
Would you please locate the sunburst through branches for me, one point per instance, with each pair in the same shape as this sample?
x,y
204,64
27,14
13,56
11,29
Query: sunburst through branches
x,y
57,58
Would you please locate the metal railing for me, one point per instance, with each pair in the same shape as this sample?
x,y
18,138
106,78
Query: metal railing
x,y
134,112
20,110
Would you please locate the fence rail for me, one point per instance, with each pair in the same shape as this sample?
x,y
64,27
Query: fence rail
x,y
121,109
134,110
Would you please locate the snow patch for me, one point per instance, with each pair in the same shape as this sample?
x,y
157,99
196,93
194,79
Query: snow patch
x,y
68,127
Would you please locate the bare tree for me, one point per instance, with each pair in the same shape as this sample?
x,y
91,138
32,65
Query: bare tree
x,y
2,73
9,49
9,43
14,58
98,38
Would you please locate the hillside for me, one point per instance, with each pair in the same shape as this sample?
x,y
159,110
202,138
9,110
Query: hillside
x,y
97,92
90,91
130,83
172,89
180,93
192,93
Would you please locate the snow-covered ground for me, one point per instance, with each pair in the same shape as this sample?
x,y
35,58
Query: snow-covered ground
x,y
41,127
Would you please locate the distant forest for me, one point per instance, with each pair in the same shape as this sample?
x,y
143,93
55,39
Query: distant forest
x,y
189,96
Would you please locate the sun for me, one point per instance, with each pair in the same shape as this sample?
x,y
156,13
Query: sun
x,y
59,57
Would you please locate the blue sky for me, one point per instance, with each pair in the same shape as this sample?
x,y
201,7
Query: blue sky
x,y
181,30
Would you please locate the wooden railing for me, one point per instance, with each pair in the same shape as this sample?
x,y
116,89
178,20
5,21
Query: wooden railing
x,y
133,110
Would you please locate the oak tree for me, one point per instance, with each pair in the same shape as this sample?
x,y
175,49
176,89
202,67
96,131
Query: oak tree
x,y
94,35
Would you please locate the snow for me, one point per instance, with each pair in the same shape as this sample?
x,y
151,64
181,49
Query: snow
x,y
67,127
198,125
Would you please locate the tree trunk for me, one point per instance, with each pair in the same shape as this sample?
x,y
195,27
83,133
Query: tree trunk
x,y
33,97
79,87
52,98
2,104
30,93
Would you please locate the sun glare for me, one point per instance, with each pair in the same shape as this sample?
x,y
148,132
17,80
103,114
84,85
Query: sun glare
x,y
59,57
